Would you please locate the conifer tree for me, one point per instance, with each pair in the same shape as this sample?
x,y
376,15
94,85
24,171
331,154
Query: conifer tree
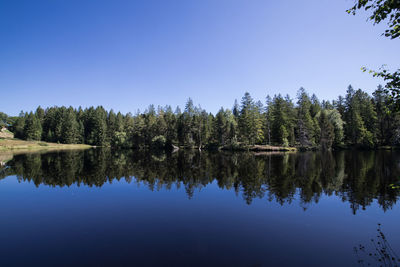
x,y
360,118
171,122
305,125
268,120
220,127
365,122
96,126
236,109
291,120
327,131
32,128
280,121
250,121
19,126
70,128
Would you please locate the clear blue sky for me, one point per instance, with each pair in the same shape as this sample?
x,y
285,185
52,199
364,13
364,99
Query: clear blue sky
x,y
128,54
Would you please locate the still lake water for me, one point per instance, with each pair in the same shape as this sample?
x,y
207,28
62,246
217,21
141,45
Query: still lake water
x,y
127,208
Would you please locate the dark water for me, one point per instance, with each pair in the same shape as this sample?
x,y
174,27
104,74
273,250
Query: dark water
x,y
125,208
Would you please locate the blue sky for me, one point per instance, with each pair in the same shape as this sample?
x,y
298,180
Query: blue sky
x,y
128,54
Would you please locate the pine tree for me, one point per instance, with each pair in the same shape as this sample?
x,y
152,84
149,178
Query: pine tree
x,y
291,120
19,126
171,122
327,131
96,126
268,120
185,123
137,136
360,118
235,109
305,124
250,121
340,105
40,113
111,125
280,121
70,127
32,128
220,127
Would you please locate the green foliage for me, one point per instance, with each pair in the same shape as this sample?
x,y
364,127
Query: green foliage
x,y
32,128
389,11
3,119
392,87
281,120
96,127
355,120
327,130
119,140
305,123
159,142
70,128
18,126
224,129
360,118
395,186
250,121
382,10
336,121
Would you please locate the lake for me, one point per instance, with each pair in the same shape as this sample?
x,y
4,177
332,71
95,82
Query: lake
x,y
128,208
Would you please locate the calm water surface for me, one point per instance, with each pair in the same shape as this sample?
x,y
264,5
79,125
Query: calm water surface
x,y
126,208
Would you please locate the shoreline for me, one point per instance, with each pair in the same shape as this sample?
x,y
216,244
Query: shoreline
x,y
8,145
13,145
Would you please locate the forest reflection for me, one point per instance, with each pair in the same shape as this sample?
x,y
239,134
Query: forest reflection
x,y
358,178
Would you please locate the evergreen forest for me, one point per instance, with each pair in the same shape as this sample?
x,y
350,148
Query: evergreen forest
x,y
355,120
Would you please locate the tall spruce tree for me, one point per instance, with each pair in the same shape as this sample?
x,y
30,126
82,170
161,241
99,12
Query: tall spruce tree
x,y
19,126
280,121
96,126
360,118
70,127
250,121
32,128
268,120
327,131
305,124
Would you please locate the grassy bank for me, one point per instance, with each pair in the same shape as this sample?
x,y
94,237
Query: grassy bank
x,y
12,144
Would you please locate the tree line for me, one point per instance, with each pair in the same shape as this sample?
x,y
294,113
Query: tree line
x,y
357,119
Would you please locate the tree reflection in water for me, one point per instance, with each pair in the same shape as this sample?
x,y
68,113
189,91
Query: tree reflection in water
x,y
356,177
